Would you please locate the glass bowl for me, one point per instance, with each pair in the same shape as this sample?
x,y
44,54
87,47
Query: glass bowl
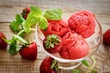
x,y
94,42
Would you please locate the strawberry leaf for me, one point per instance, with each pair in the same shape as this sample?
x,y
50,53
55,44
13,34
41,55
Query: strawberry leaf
x,y
51,41
54,65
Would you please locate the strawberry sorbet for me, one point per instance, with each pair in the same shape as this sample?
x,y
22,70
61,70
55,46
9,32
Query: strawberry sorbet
x,y
59,27
74,46
83,23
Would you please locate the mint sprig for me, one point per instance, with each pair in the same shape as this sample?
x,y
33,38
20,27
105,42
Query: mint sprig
x,y
13,48
51,41
36,16
14,25
53,14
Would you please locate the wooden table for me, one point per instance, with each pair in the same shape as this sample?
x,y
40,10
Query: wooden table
x,y
16,64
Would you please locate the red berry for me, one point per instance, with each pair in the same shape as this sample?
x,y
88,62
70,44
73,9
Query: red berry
x,y
29,52
45,66
50,40
25,13
3,44
106,37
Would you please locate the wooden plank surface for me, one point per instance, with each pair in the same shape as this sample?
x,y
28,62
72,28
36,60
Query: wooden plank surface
x,y
16,64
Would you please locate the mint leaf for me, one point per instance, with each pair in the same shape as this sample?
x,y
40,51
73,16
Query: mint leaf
x,y
14,25
75,71
31,19
35,11
7,41
19,18
53,14
34,16
94,71
85,63
19,38
13,48
43,24
26,27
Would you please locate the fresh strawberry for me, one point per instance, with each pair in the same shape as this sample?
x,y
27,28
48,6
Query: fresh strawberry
x,y
52,43
3,44
29,51
106,37
26,11
49,65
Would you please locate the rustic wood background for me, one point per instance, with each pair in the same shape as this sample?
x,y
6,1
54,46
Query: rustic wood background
x,y
16,64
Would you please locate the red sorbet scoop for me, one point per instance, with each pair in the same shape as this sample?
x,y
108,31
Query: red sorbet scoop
x,y
74,47
59,27
83,22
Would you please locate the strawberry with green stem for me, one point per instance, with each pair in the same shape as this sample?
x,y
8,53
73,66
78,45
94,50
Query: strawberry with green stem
x,y
25,13
49,65
52,43
3,44
29,50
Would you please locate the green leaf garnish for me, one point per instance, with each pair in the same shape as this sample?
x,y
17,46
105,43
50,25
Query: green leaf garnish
x,y
94,71
53,14
36,12
26,27
43,23
85,63
34,16
14,25
54,65
75,71
13,48
19,38
19,18
7,41
51,41
31,19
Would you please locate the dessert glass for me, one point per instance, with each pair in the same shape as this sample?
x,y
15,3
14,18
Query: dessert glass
x,y
94,42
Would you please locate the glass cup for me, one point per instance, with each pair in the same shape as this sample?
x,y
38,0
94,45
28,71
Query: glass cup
x,y
94,42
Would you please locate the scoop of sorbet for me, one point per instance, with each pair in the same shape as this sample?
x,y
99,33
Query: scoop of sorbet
x,y
83,23
59,27
74,47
